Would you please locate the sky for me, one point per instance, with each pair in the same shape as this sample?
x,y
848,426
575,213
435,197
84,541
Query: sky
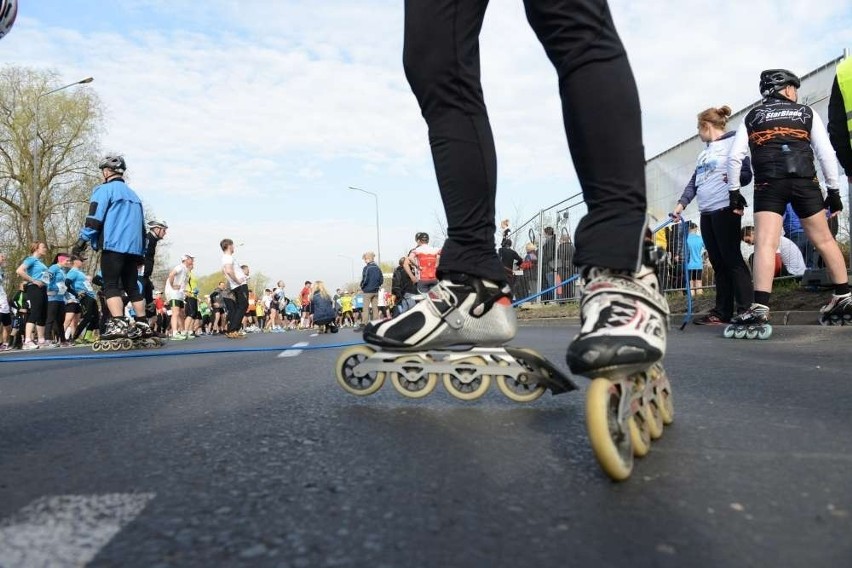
x,y
251,120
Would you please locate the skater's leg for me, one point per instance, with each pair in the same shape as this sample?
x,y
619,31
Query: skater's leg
x,y
724,307
600,106
441,60
767,235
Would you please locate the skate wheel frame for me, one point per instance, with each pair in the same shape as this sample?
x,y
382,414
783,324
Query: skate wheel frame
x,y
467,382
521,388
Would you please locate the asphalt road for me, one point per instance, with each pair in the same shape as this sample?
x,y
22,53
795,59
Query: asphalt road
x,y
254,459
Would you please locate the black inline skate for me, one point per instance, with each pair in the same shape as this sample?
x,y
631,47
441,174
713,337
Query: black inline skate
x,y
456,332
838,311
751,324
621,342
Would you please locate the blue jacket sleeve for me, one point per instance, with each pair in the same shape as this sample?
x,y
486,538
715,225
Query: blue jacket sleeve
x,y
98,206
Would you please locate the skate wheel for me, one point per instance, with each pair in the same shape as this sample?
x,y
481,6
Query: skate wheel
x,y
467,383
729,332
653,418
127,343
751,334
518,389
765,332
739,333
345,371
640,437
610,439
663,394
414,381
96,346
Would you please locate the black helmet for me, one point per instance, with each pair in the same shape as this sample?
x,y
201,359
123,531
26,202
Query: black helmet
x,y
8,11
114,163
774,80
422,237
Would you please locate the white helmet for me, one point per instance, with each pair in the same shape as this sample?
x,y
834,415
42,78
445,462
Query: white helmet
x,y
8,12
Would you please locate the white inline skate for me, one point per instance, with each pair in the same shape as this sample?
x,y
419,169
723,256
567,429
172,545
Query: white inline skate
x,y
624,322
751,324
838,311
123,335
457,332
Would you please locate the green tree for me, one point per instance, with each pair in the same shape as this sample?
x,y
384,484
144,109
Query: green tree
x,y
60,134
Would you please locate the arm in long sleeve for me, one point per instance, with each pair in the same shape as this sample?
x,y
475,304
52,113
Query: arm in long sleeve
x,y
688,192
824,154
739,151
745,172
94,225
838,132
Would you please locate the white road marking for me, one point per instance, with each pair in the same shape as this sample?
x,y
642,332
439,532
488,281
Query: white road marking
x,y
66,530
294,352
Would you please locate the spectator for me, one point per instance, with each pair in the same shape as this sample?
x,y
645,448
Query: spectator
x,y
547,258
510,260
421,264
322,308
695,259
36,276
371,282
529,269
789,260
402,289
793,230
720,222
565,264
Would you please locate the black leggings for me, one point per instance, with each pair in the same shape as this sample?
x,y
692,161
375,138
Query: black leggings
x,y
721,233
120,272
37,302
600,106
55,322
90,316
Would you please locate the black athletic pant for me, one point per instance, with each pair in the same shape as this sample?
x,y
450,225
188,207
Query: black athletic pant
x,y
119,271
54,327
721,233
601,115
90,315
237,308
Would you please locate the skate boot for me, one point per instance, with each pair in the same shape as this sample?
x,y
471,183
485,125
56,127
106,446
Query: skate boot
x,y
115,336
751,324
456,331
838,311
147,336
469,312
622,339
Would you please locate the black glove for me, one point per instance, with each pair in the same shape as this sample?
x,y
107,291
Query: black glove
x,y
79,247
737,200
833,202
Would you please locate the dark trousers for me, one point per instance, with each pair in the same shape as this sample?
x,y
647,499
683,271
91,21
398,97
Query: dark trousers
x,y
721,233
237,307
90,315
119,271
601,116
54,327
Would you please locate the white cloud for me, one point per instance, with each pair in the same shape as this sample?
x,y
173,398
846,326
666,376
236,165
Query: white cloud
x,y
253,117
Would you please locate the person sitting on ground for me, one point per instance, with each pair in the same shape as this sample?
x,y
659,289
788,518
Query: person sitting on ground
x,y
788,258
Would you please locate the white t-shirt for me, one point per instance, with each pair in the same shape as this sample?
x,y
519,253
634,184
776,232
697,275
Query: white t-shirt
x,y
180,276
229,260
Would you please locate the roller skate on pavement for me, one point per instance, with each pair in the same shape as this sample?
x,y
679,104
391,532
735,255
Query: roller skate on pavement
x,y
147,339
622,340
751,324
457,331
838,311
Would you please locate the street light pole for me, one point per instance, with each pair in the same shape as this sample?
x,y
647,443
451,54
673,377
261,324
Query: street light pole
x,y
37,156
378,237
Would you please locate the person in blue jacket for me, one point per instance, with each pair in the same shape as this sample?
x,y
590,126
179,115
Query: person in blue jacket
x,y
116,226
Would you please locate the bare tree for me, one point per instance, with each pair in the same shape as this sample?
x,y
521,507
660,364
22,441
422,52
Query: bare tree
x,y
64,144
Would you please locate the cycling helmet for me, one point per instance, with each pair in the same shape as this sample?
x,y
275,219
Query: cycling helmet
x,y
114,163
8,12
154,223
774,80
421,237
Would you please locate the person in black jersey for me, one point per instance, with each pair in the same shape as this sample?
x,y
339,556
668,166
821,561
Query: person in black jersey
x,y
783,138
471,304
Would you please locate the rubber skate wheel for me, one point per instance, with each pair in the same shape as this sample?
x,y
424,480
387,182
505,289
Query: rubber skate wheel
x,y
640,436
518,390
653,418
96,346
127,343
765,332
739,333
751,334
663,394
610,440
729,332
345,371
466,383
415,382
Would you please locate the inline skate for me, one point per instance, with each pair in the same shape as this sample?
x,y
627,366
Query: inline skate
x,y
751,324
838,311
120,335
622,339
457,332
